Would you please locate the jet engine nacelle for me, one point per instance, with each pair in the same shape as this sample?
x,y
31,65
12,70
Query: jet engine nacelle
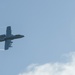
x,y
10,44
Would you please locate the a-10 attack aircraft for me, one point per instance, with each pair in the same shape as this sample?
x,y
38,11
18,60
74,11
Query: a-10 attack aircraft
x,y
8,37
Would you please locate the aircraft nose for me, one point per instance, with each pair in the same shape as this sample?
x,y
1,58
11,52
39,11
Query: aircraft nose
x,y
22,35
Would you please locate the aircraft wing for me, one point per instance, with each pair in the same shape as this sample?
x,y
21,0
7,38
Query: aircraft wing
x,y
8,31
8,44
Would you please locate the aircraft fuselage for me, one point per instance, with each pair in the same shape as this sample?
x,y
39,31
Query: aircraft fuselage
x,y
12,37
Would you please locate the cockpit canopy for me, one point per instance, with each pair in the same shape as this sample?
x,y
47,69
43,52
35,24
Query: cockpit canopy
x,y
18,35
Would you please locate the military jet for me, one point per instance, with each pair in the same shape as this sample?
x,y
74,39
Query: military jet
x,y
8,37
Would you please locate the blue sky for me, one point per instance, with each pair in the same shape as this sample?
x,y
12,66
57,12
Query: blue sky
x,y
48,26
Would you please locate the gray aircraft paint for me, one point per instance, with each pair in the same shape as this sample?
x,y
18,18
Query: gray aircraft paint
x,y
8,37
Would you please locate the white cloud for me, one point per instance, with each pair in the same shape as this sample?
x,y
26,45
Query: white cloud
x,y
53,68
